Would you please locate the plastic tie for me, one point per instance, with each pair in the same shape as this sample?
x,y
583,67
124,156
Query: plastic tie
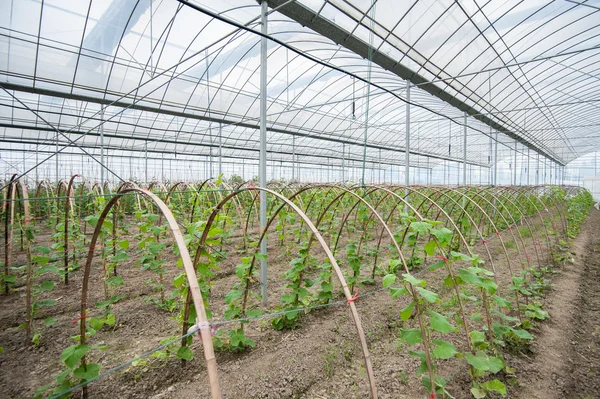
x,y
483,241
198,327
432,396
497,232
80,318
443,257
354,297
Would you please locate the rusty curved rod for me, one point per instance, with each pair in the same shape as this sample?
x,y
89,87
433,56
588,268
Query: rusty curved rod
x,y
407,204
507,194
9,214
24,194
548,199
539,214
49,189
196,195
403,260
202,322
331,258
514,199
421,218
460,193
496,231
502,199
442,192
68,210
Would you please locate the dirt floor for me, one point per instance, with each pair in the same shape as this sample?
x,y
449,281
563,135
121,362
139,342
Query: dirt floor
x,y
322,357
566,360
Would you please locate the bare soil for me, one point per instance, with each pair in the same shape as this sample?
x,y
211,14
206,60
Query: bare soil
x,y
566,359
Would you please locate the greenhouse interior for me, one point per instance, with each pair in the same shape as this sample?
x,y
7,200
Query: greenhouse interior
x,y
345,129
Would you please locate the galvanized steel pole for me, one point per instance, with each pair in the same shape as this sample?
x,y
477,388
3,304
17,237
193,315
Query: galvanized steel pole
x,y
465,150
262,172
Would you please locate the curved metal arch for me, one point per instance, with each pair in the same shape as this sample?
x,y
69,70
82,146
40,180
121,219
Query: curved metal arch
x,y
330,256
189,270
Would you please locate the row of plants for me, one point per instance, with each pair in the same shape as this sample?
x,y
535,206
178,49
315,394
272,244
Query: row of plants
x,y
135,231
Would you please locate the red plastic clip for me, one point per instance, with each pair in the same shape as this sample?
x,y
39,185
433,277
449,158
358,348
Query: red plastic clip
x,y
497,232
443,257
483,241
79,318
354,298
432,396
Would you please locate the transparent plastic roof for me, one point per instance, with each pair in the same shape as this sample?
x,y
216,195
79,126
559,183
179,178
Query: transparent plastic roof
x,y
159,75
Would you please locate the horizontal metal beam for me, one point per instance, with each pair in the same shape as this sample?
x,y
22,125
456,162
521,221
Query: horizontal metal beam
x,y
306,17
158,110
374,162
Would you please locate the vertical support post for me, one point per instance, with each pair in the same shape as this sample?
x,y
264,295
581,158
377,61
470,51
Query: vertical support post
x,y
496,160
515,166
407,147
102,146
262,172
379,174
56,158
343,162
528,171
465,150
220,148
407,143
294,158
37,163
146,158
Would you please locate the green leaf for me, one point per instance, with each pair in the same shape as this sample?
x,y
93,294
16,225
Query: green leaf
x,y
411,336
468,277
496,364
443,235
185,353
45,302
489,285
437,265
396,292
440,323
444,349
430,247
42,249
41,259
460,256
478,393
477,337
479,361
407,311
123,244
429,296
414,281
495,386
87,372
523,334
503,303
110,320
420,227
73,354
388,280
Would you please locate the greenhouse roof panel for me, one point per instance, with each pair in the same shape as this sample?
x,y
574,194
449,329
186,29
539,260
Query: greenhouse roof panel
x,y
162,71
